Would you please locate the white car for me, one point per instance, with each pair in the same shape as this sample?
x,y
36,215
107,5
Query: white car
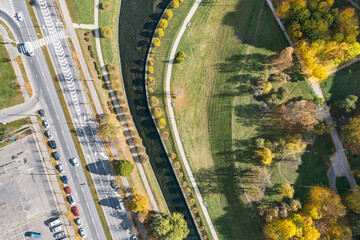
x,y
19,16
78,222
49,134
82,233
74,161
56,229
60,168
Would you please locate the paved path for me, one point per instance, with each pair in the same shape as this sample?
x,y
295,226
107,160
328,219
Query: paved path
x,y
173,122
84,26
123,123
340,165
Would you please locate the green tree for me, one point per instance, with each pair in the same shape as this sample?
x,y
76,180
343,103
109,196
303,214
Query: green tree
x,y
348,104
168,14
170,227
125,168
109,130
352,200
179,58
106,32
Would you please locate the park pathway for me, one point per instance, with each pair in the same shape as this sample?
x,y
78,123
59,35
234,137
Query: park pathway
x,y
173,122
339,164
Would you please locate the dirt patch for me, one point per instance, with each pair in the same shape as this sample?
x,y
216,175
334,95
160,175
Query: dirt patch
x,y
180,99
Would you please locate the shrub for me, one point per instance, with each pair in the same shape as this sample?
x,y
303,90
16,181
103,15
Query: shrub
x,y
140,149
174,4
119,93
137,141
202,228
116,85
106,32
181,0
150,70
198,219
154,101
150,80
191,201
144,158
165,135
180,57
127,118
156,42
150,90
185,184
114,77
157,112
195,210
163,23
159,32
125,168
161,122
106,5
87,39
168,14
151,61
111,68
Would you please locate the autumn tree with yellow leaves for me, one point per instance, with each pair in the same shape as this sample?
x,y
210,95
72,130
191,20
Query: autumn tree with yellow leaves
x,y
138,203
265,156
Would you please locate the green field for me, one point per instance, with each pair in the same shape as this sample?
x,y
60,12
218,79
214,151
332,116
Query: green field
x,y
217,116
81,11
10,93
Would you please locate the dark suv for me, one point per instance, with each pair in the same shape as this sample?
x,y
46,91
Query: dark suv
x,y
52,144
56,155
41,112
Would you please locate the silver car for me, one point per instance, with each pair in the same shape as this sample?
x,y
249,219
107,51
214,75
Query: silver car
x,y
49,134
78,222
56,229
59,235
74,161
82,233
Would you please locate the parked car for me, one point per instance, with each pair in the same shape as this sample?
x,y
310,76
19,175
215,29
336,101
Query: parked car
x,y
60,168
125,226
74,161
56,156
45,123
48,134
134,238
64,179
19,16
70,199
56,229
59,235
114,185
82,233
75,211
78,222
54,222
67,190
34,235
52,144
41,112
121,204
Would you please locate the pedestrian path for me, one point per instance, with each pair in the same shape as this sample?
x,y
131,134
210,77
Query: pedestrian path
x,y
84,26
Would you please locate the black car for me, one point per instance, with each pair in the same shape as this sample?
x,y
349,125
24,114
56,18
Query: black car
x,y
41,112
52,144
64,179
114,185
56,155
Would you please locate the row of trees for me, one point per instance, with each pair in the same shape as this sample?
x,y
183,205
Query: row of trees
x,y
324,36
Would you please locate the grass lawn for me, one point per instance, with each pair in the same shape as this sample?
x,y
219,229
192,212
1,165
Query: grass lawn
x,y
109,46
81,11
10,93
217,116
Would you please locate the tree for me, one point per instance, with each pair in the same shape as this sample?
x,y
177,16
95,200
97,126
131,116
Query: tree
x,y
161,123
280,229
168,14
125,168
352,200
179,58
265,156
154,101
266,87
150,70
111,68
165,135
106,5
352,130
340,231
294,145
159,32
348,104
174,4
286,190
170,227
305,227
106,32
151,61
324,204
301,113
150,80
138,203
321,129
156,42
157,112
109,130
163,23
114,77
151,90
144,158
283,10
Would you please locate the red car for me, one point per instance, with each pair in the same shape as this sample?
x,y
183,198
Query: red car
x,y
67,190
75,210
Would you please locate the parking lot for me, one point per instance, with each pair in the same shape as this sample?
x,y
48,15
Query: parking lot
x,y
27,202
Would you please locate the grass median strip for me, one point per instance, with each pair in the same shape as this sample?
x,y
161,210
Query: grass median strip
x,y
34,20
77,144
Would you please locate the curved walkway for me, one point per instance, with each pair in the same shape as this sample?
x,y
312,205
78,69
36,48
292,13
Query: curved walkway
x,y
173,122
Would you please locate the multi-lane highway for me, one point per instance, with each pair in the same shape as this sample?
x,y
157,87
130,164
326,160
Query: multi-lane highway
x,y
82,115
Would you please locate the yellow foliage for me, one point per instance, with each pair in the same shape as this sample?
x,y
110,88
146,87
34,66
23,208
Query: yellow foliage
x,y
151,61
352,130
150,69
305,227
266,87
151,90
159,32
161,123
286,190
163,23
106,32
138,203
154,101
283,10
168,14
156,42
157,113
150,80
280,229
294,144
265,156
352,200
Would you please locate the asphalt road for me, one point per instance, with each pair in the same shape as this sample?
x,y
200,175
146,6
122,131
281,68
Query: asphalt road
x,y
86,126
44,88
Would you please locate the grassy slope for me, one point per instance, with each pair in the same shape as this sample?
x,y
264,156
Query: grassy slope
x,y
81,11
10,94
217,116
